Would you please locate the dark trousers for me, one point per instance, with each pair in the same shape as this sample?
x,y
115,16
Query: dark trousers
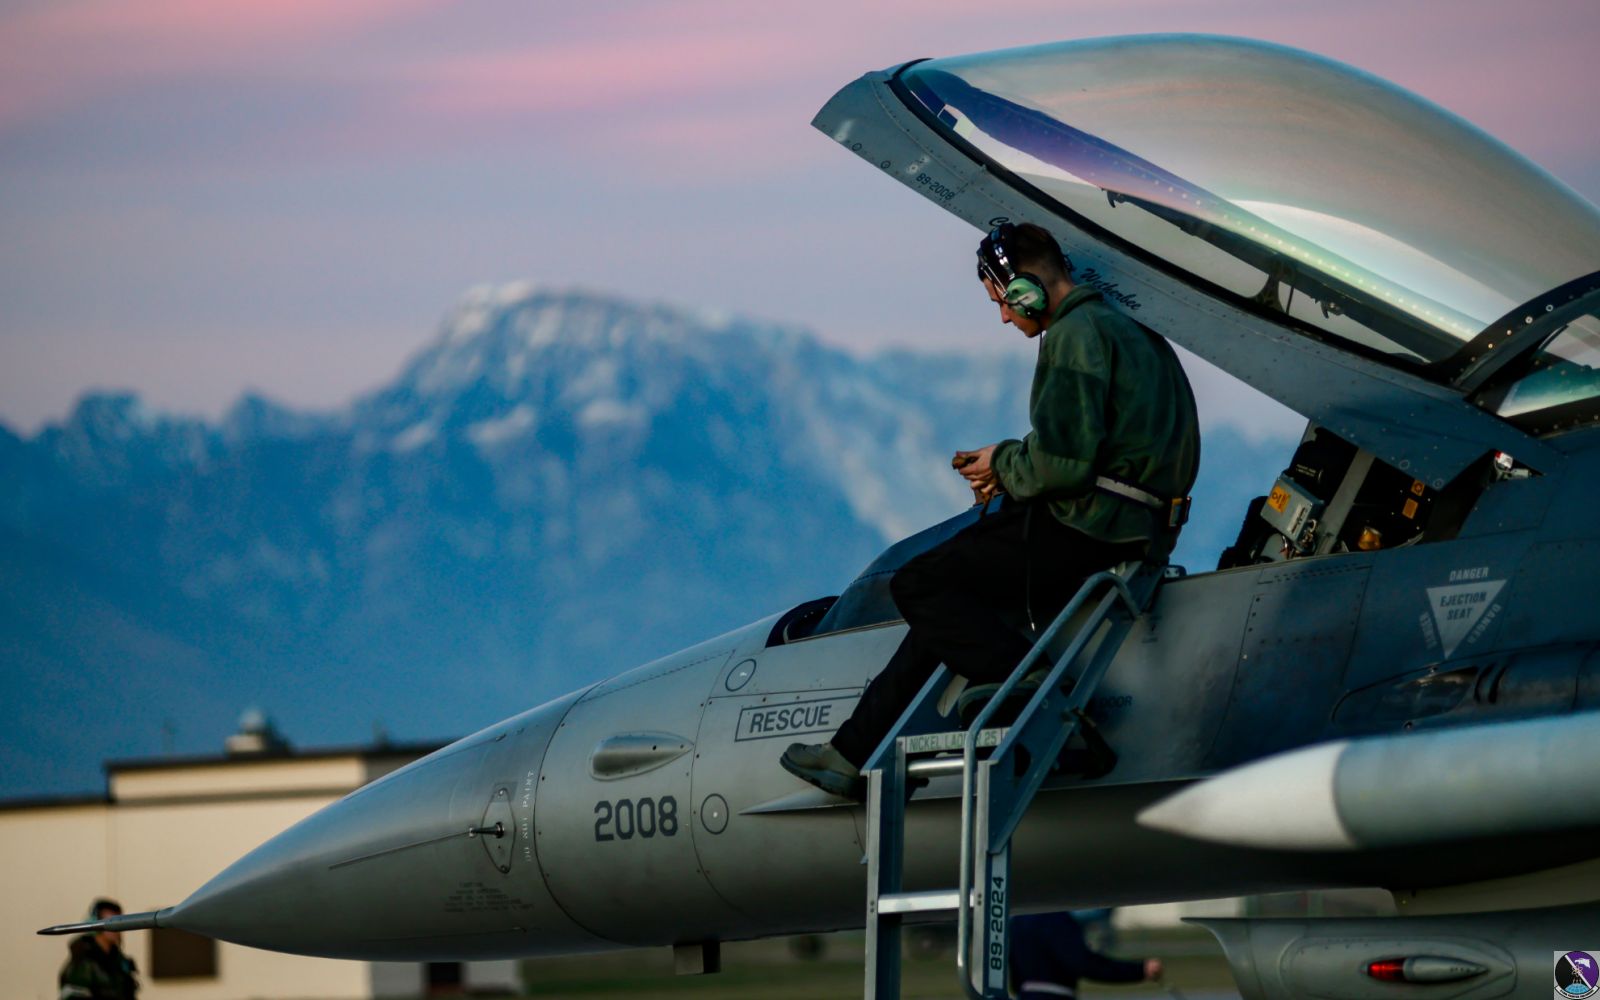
x,y
966,600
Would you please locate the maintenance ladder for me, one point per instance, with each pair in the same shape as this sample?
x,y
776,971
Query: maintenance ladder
x,y
996,789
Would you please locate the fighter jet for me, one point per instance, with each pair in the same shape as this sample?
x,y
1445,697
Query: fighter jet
x,y
1391,679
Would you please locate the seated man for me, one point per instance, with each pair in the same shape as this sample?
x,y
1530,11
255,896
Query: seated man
x,y
1114,439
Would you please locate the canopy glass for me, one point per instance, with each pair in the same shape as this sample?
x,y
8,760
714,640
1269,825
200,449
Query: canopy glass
x,y
1302,184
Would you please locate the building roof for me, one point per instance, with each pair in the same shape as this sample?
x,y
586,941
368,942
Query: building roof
x,y
53,802
375,751
410,750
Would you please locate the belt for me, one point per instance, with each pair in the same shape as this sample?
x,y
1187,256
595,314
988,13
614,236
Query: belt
x,y
1177,508
1053,989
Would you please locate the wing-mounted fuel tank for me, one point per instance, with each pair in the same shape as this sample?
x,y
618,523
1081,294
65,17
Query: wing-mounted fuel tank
x,y
1474,956
1529,777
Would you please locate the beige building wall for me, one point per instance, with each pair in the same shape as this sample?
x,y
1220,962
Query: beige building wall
x,y
324,777
54,861
156,847
165,831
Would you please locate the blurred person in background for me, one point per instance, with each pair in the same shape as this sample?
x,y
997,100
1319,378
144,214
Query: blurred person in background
x,y
96,968
1049,955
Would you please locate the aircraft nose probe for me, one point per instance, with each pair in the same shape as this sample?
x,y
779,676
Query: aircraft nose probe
x,y
121,922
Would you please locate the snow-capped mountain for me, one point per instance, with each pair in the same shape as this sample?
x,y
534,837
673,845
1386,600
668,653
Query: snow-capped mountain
x,y
560,486
575,373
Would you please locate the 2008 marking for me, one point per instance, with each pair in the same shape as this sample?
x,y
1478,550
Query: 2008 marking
x,y
627,818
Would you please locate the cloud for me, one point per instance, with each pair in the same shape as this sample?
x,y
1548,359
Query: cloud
x,y
57,54
595,75
361,80
200,165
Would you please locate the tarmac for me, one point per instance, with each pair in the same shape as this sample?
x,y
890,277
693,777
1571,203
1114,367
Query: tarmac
x,y
827,967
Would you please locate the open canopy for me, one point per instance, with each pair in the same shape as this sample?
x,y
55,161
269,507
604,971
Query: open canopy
x,y
1350,204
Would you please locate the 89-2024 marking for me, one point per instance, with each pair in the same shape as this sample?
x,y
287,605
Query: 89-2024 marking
x,y
625,819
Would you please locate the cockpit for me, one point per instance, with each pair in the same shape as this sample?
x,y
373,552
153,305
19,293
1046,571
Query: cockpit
x,y
1332,498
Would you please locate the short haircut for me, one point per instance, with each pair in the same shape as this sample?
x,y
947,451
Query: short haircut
x,y
98,910
1032,249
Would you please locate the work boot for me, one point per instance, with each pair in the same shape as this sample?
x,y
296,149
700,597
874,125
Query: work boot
x,y
821,765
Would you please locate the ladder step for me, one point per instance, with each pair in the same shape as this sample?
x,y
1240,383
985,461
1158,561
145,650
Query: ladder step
x,y
941,742
919,902
934,767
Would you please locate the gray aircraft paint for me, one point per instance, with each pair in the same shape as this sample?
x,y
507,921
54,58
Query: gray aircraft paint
x,y
1226,669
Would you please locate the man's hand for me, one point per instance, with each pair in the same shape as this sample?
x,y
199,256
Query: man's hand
x,y
977,468
983,494
1152,969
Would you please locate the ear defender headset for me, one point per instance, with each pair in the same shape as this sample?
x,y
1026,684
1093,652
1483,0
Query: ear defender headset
x,y
1022,291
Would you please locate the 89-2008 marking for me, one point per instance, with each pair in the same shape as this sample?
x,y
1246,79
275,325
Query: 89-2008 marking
x,y
628,818
935,188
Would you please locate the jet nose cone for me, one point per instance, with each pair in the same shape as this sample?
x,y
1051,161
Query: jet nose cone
x,y
432,861
372,863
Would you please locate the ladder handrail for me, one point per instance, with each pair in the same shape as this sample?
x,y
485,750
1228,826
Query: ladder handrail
x,y
1083,690
886,874
936,681
964,912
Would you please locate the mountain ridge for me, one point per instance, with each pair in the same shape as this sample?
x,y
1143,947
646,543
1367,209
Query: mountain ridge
x,y
559,486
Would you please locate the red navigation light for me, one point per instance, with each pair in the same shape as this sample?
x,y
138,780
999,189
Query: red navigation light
x,y
1424,969
1389,970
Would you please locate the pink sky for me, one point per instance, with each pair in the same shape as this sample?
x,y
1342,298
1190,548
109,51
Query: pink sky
x,y
283,194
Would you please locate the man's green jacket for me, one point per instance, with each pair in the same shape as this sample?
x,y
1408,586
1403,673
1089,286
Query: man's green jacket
x,y
1109,399
93,973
